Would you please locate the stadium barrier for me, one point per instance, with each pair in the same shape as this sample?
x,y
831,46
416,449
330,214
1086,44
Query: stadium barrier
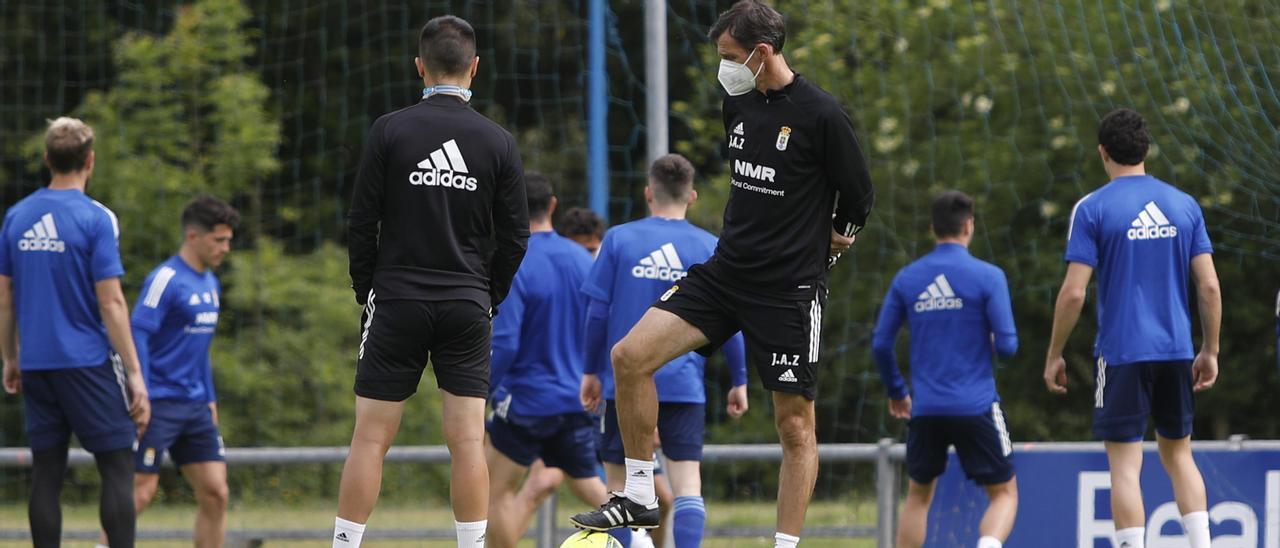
x,y
1242,478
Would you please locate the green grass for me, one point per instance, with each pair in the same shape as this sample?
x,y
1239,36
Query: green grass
x,y
401,515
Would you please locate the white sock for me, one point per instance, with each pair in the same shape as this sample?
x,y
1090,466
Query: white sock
x,y
989,542
1196,524
783,540
347,534
640,483
1133,537
471,533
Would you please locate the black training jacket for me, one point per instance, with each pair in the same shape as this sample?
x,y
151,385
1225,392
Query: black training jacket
x,y
796,172
438,211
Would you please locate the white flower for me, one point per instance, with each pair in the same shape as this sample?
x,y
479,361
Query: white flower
x,y
1182,105
888,124
1057,122
1153,151
1058,142
1107,88
1163,5
924,12
900,45
1048,209
982,104
887,143
910,167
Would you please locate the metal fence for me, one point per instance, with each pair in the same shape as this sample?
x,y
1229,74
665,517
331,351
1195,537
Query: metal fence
x,y
886,455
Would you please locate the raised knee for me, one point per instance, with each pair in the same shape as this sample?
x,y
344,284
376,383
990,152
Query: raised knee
x,y
625,358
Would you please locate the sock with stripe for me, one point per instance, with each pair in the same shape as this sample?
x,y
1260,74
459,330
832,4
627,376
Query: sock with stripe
x,y
623,536
1133,537
690,518
347,534
1196,524
989,542
783,540
640,483
471,533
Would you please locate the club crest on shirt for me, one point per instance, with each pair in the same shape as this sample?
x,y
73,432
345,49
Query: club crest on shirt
x,y
784,135
149,457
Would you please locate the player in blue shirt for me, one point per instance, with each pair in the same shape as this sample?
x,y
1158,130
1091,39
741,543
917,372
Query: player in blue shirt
x,y
174,321
1145,239
637,263
957,309
62,312
535,374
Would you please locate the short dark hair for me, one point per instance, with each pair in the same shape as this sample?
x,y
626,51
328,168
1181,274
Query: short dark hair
x,y
447,45
67,144
539,193
671,177
1123,134
206,212
752,22
580,221
950,212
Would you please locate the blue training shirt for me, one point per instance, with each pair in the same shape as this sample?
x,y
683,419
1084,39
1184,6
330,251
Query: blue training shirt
x,y
55,245
1139,234
173,325
957,308
637,263
537,335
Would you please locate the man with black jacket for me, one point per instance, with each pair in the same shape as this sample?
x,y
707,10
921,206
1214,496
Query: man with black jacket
x,y
800,191
437,228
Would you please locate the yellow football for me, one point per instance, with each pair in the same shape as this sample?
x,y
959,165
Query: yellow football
x,y
590,539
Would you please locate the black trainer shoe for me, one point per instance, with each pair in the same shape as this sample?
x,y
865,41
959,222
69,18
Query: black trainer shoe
x,y
617,513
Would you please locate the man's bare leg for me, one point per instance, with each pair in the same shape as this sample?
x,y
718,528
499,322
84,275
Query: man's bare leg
x,y
377,422
656,339
209,480
1128,514
794,417
1002,510
914,522
463,426
1188,488
509,518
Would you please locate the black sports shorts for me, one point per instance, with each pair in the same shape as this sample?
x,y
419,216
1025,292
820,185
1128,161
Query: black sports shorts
x,y
399,337
783,335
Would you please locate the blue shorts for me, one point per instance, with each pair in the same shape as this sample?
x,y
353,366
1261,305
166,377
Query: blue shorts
x,y
1127,394
91,402
185,429
681,427
982,444
563,441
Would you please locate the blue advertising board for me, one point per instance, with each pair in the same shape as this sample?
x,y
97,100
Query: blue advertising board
x,y
1064,500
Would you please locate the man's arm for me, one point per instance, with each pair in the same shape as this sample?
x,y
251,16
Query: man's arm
x,y
1004,332
510,226
115,316
595,339
365,216
1209,297
846,168
506,338
735,352
9,338
883,340
1065,315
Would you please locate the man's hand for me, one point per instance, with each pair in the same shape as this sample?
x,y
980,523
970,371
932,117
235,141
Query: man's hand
x,y
738,402
12,378
840,243
140,402
589,394
900,409
1204,372
1055,374
213,410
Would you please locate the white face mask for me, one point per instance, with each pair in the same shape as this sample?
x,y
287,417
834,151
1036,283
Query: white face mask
x,y
737,78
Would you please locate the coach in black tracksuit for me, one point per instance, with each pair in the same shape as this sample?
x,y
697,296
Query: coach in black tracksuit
x,y
800,190
437,228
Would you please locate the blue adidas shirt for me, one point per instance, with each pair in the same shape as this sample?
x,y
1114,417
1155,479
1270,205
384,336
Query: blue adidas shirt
x,y
637,263
957,309
537,335
174,321
1139,234
55,245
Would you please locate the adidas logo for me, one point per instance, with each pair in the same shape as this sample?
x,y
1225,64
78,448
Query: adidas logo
x,y
939,296
342,536
194,300
1151,224
663,264
788,376
444,167
737,130
639,474
43,236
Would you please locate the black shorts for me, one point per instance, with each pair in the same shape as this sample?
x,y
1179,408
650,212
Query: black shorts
x,y
783,336
400,336
982,444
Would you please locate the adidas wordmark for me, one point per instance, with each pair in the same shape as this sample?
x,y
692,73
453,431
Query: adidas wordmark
x,y
42,236
444,167
939,296
662,264
1151,224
